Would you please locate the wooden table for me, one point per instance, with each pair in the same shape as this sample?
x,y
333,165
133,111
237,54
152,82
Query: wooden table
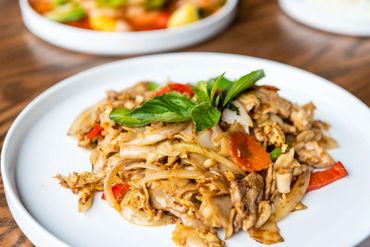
x,y
28,65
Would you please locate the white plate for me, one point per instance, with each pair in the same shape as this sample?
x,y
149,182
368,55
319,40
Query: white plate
x,y
345,18
36,148
126,43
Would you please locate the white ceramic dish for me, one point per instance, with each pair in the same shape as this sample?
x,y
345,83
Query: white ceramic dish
x,y
36,148
328,16
126,43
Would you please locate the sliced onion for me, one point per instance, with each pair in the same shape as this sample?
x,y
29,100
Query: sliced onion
x,y
83,207
138,217
81,119
205,138
209,154
157,136
285,206
187,134
269,233
243,118
107,187
135,152
176,173
141,165
283,182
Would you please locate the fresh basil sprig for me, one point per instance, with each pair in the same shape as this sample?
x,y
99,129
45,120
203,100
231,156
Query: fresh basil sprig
x,y
170,108
211,97
224,89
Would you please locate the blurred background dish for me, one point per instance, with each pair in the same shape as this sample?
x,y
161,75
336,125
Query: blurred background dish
x,y
85,26
126,15
350,17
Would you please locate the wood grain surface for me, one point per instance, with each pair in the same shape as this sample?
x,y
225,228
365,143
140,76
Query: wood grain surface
x,y
29,65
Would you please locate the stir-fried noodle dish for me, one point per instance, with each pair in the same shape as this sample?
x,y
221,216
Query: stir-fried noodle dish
x,y
215,154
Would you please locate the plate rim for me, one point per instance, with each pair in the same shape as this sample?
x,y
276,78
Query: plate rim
x,y
14,203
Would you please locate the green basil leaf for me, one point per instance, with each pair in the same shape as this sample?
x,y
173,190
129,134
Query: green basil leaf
x,y
225,83
241,85
201,92
216,86
119,116
205,116
217,101
170,108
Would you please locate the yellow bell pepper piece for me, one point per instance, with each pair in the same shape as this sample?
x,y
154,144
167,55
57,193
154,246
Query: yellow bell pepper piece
x,y
103,23
184,15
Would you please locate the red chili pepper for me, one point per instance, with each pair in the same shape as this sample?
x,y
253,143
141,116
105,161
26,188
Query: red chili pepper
x,y
119,191
178,87
182,88
94,132
322,178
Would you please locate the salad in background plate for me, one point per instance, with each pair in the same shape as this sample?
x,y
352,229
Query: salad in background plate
x,y
126,15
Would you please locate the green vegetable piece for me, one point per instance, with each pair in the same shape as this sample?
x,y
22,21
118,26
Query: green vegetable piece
x,y
223,84
211,97
66,13
275,153
205,116
119,116
242,84
217,101
216,86
155,4
111,3
170,108
153,86
201,92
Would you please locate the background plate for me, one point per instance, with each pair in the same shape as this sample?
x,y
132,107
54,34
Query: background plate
x,y
332,19
36,148
126,43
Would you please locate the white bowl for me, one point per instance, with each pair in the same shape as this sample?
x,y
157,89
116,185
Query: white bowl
x,y
328,16
126,43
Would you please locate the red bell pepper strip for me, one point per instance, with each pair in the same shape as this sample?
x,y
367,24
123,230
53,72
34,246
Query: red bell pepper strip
x,y
321,178
94,132
178,87
119,191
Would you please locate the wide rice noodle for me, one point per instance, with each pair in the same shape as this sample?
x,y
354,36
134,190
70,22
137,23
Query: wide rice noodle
x,y
142,166
292,199
176,173
138,217
192,148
